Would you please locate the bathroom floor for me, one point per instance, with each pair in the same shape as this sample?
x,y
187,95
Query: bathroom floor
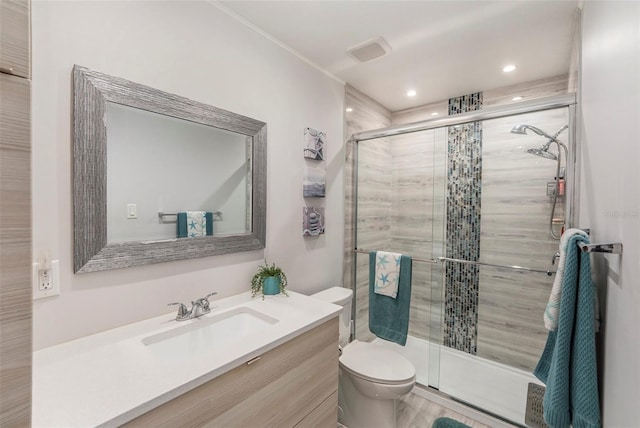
x,y
418,412
420,408
415,411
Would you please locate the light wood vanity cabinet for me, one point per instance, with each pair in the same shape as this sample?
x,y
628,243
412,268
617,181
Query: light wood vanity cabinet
x,y
15,252
15,215
293,385
15,40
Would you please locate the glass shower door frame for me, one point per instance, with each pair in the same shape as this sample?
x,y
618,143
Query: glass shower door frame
x,y
437,272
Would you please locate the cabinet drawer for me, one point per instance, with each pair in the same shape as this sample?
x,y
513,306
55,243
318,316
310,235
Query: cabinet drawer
x,y
15,172
323,416
277,390
15,41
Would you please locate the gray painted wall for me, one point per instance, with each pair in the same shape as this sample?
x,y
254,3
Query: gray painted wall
x,y
610,194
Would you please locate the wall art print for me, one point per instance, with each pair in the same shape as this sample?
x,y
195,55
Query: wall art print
x,y
314,142
314,182
312,221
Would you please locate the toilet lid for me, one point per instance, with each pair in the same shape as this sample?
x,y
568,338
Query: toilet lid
x,y
336,295
376,363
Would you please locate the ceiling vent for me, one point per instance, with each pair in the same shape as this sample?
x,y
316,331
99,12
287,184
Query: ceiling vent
x,y
370,50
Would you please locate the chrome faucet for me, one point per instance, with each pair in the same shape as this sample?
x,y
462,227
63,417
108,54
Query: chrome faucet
x,y
199,307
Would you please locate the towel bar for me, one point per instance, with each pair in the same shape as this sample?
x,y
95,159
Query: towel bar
x,y
613,248
432,261
448,259
162,215
469,262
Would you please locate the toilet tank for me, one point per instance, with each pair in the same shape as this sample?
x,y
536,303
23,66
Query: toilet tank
x,y
342,297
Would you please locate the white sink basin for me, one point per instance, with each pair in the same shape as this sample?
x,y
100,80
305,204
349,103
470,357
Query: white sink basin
x,y
206,333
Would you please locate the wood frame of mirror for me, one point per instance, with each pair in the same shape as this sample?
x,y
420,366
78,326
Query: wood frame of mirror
x,y
92,252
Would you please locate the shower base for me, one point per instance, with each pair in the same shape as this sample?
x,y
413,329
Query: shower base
x,y
485,384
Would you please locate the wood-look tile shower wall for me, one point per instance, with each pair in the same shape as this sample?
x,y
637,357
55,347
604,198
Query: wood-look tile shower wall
x,y
374,198
396,207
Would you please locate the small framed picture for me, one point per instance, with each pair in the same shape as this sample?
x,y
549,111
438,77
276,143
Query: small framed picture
x,y
314,142
314,182
312,221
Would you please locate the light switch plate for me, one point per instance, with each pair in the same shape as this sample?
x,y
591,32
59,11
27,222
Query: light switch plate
x,y
132,211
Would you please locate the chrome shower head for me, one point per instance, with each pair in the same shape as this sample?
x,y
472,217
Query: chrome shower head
x,y
522,130
543,152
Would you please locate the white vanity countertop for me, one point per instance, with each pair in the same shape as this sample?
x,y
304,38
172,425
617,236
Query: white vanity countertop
x,y
112,377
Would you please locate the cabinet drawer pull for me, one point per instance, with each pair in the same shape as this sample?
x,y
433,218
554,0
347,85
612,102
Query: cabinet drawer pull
x,y
6,70
255,360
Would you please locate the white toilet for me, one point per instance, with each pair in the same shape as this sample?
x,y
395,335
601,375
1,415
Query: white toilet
x,y
372,378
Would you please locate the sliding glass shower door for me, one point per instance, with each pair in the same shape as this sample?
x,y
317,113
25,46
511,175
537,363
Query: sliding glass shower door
x,y
477,206
493,331
399,206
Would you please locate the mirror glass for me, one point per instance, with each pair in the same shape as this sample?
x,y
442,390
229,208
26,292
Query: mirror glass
x,y
159,166
158,177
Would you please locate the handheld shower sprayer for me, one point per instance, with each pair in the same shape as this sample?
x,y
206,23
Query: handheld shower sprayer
x,y
544,152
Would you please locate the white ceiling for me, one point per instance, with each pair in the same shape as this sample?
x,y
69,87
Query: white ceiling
x,y
439,48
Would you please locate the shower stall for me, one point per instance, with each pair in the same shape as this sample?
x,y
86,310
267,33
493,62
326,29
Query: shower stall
x,y
478,199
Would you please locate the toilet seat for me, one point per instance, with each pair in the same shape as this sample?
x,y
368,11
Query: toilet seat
x,y
376,364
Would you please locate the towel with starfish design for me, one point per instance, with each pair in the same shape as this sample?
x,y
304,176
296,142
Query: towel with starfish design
x,y
192,224
387,273
388,316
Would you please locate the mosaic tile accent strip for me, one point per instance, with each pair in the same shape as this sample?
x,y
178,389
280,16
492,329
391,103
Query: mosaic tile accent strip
x,y
464,185
465,103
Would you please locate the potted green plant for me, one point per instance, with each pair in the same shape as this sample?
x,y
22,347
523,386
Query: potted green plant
x,y
269,280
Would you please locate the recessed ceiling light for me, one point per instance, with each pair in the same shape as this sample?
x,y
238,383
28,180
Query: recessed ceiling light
x,y
411,93
509,68
348,109
435,113
518,98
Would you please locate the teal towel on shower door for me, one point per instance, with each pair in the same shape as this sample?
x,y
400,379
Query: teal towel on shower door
x,y
568,363
389,317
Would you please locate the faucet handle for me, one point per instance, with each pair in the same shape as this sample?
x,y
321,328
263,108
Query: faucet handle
x,y
201,305
182,310
204,301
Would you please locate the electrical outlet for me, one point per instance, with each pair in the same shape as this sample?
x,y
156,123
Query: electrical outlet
x,y
46,282
44,279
